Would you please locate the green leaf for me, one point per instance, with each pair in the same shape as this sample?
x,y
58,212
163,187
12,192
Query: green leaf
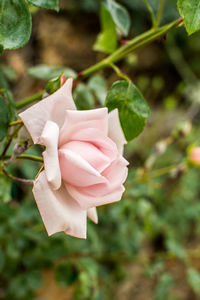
x,y
46,72
9,72
49,4
175,249
4,119
107,39
133,109
190,11
194,279
15,23
120,16
53,85
98,85
66,273
83,97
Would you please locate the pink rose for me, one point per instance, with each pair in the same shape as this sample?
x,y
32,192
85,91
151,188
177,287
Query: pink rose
x,y
194,156
84,167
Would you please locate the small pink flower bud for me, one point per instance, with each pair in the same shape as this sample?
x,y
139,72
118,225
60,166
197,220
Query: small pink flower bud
x,y
194,156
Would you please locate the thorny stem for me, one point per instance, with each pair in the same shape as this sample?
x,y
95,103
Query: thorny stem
x,y
132,45
28,181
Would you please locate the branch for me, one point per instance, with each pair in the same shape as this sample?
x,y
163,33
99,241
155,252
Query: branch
x,y
14,123
29,100
28,181
134,44
10,139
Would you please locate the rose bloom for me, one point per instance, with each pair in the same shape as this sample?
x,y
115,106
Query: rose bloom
x,y
194,156
83,162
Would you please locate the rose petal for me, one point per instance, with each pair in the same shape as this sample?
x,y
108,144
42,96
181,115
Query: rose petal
x,y
97,138
77,171
116,174
49,138
51,108
86,201
76,120
115,131
58,210
92,214
89,152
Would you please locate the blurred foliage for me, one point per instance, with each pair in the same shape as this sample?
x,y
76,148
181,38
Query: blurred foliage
x,y
163,211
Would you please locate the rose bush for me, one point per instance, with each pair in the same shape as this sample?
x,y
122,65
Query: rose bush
x,y
83,162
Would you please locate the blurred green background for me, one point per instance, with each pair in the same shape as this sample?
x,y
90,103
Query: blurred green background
x,y
147,246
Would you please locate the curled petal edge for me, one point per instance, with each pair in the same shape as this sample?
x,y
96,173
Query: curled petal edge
x,y
58,210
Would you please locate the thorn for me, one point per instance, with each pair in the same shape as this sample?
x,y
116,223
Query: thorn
x,y
165,37
180,20
62,80
124,42
74,83
80,74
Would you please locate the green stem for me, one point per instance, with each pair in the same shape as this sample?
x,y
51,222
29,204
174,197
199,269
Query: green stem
x,y
28,181
153,20
10,139
160,12
30,157
26,156
164,171
29,100
14,123
120,73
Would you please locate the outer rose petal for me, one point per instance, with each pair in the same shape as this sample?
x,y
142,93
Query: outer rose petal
x,y
86,201
92,214
49,138
51,108
58,210
77,120
115,131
